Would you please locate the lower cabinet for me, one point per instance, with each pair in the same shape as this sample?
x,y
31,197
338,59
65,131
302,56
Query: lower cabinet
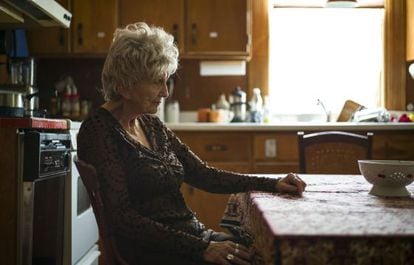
x,y
394,145
227,151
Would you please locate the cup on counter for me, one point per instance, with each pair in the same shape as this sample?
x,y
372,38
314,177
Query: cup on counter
x,y
221,116
203,115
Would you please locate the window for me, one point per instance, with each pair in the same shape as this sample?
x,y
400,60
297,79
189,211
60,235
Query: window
x,y
331,54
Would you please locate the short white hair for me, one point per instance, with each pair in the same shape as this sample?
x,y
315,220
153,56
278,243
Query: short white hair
x,y
138,52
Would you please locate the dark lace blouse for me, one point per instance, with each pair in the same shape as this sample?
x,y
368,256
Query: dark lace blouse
x,y
141,186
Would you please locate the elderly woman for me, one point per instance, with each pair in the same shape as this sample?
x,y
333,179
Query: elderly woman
x,y
141,164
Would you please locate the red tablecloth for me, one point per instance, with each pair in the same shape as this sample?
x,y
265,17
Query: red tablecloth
x,y
336,221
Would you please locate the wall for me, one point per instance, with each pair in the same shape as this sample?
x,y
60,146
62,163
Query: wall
x,y
192,90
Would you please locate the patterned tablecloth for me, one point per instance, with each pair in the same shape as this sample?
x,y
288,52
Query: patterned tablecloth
x,y
336,221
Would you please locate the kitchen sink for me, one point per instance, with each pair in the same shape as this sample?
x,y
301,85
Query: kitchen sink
x,y
304,117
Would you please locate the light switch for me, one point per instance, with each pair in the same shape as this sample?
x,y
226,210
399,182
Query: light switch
x,y
270,148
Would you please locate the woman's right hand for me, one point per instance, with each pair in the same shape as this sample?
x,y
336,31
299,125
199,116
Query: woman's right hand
x,y
227,253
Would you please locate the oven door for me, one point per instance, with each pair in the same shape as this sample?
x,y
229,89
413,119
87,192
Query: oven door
x,y
84,228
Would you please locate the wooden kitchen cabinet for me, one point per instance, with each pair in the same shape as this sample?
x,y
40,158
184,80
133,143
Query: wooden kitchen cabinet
x,y
201,28
91,30
216,26
168,14
209,207
227,151
395,145
275,153
52,40
93,25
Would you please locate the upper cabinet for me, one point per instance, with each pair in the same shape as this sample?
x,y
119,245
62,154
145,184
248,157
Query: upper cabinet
x,y
201,28
217,27
167,14
93,25
91,30
410,30
50,40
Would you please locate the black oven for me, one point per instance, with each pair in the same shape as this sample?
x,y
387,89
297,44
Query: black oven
x,y
46,164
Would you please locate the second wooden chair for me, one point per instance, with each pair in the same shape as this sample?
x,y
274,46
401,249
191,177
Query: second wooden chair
x,y
333,152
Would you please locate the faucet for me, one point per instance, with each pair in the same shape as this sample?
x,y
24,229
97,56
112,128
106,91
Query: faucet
x,y
320,103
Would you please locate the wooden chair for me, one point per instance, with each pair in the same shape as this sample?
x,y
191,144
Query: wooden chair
x,y
89,178
333,152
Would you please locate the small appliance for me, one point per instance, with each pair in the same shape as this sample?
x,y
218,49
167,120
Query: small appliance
x,y
238,104
20,97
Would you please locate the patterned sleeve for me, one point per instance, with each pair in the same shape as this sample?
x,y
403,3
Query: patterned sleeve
x,y
202,176
97,146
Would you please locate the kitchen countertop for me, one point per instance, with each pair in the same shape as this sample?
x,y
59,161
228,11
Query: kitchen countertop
x,y
33,123
291,126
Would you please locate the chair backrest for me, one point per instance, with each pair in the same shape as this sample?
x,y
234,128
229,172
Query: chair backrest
x,y
333,152
89,178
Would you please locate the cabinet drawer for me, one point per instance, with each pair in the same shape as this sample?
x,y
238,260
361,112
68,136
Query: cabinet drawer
x,y
218,146
276,146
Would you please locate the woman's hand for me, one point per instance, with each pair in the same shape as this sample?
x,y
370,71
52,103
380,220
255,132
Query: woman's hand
x,y
291,184
226,253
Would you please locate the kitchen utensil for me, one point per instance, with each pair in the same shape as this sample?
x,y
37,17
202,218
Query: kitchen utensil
x,y
389,177
12,101
348,110
238,104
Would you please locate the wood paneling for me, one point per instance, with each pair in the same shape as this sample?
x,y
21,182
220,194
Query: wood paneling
x,y
194,91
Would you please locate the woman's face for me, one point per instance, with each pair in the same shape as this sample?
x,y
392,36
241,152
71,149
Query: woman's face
x,y
147,95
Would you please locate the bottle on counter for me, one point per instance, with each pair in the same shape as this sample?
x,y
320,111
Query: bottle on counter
x,y
172,111
75,104
266,110
256,106
67,102
222,102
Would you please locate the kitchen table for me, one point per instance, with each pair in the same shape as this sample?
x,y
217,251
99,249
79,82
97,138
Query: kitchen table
x,y
336,221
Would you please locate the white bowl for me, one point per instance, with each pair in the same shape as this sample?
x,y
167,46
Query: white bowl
x,y
389,177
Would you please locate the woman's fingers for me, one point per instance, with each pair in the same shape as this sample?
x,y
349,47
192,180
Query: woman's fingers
x,y
292,183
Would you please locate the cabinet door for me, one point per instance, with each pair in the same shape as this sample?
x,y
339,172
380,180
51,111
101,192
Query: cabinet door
x,y
51,40
276,153
219,146
167,14
93,25
393,145
217,26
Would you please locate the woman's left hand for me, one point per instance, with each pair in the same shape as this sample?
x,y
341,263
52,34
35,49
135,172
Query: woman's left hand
x,y
292,183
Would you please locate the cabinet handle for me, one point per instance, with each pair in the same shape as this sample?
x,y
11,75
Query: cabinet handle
x,y
80,38
216,147
194,33
175,33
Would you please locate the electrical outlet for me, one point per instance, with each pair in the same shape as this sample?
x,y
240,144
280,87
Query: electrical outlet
x,y
270,148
